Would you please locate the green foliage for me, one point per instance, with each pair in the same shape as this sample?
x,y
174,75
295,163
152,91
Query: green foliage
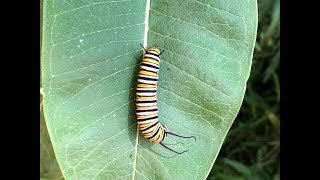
x,y
90,56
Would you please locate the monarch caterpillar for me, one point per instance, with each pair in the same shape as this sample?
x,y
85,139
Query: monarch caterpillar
x,y
146,100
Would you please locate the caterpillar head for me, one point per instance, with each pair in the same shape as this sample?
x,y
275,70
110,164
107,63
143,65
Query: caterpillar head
x,y
155,51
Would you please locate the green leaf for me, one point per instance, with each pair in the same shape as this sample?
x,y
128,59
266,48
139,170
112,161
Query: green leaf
x,y
90,58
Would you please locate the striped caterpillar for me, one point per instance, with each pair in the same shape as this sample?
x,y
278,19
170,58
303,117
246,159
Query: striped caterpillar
x,y
146,100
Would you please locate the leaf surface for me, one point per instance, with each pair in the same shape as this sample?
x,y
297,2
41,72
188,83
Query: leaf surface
x,y
90,58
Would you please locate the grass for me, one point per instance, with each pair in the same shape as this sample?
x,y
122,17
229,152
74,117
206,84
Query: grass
x,y
252,147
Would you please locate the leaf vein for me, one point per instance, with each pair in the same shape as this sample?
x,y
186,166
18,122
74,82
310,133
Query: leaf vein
x,y
193,103
93,64
92,85
160,163
220,91
202,27
95,47
94,32
88,5
217,9
193,45
80,131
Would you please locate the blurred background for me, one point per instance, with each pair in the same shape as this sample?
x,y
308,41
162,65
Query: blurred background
x,y
251,149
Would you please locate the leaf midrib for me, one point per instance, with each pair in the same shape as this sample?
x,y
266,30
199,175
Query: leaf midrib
x,y
146,29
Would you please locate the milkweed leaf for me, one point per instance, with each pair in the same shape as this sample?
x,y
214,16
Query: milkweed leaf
x,y
90,57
